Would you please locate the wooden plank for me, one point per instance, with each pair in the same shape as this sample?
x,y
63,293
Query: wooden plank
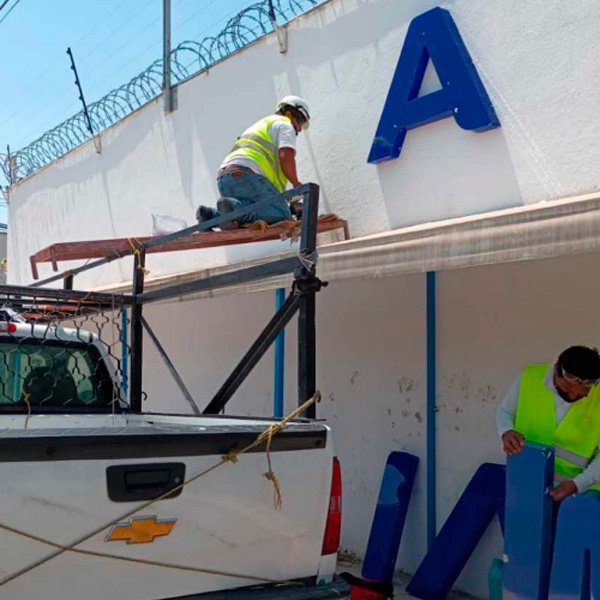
x,y
85,250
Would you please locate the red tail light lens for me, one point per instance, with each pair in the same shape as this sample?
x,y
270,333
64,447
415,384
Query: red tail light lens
x,y
331,541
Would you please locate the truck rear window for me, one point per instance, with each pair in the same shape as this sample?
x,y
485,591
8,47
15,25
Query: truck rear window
x,y
49,373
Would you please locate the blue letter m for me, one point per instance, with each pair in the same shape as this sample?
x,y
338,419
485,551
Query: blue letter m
x,y
432,35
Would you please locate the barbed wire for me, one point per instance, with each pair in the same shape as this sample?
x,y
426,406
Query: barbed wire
x,y
187,59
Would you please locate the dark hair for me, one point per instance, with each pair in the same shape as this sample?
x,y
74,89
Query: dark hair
x,y
581,361
295,113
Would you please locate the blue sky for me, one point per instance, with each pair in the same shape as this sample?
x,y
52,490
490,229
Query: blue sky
x,y
112,41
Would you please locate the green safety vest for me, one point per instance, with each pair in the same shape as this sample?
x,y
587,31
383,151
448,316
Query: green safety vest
x,y
576,438
256,145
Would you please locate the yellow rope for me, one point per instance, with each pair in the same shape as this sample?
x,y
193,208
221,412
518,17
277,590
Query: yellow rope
x,y
231,457
270,476
136,252
142,561
26,396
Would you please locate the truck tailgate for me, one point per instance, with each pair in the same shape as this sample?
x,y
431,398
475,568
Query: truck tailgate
x,y
62,484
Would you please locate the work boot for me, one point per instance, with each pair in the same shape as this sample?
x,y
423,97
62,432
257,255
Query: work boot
x,y
224,206
206,213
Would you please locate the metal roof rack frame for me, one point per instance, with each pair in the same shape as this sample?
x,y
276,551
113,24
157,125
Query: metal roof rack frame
x,y
301,300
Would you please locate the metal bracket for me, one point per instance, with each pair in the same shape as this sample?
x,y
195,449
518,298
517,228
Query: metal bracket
x,y
282,36
308,284
174,98
98,144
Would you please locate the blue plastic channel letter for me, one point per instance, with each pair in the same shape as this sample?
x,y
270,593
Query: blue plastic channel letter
x,y
576,565
390,516
460,534
432,35
528,523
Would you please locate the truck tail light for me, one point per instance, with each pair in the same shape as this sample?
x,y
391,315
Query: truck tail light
x,y
5,327
331,540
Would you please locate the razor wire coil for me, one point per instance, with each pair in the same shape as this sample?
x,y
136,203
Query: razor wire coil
x,y
188,58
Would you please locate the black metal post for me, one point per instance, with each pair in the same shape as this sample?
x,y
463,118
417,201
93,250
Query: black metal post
x,y
257,350
68,282
167,89
81,97
137,332
308,237
307,361
10,165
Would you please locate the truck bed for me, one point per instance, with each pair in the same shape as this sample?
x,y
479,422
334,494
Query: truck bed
x,y
67,476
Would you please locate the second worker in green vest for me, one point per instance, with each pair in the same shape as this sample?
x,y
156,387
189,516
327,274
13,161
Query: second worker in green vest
x,y
558,405
259,166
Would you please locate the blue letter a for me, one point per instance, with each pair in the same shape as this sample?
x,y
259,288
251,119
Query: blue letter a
x,y
432,35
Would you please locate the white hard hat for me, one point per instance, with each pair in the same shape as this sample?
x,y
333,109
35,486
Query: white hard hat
x,y
299,104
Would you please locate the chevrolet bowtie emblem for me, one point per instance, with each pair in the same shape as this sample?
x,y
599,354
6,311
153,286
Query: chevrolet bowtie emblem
x,y
141,530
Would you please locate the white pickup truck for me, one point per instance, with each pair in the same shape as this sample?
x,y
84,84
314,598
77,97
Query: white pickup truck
x,y
78,472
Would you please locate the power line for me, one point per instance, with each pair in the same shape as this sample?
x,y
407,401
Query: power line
x,y
112,33
101,64
38,83
202,9
126,64
41,116
35,129
4,4
146,48
9,11
190,17
94,86
118,49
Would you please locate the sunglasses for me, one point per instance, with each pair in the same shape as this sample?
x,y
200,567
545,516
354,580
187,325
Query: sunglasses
x,y
574,379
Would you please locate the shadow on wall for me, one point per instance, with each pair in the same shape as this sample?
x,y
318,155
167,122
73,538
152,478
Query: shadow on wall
x,y
446,172
342,62
335,63
63,192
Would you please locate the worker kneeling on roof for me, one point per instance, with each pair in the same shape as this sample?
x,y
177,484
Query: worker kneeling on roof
x,y
558,405
259,166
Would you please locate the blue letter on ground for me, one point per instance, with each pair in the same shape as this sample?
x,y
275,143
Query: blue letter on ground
x,y
432,35
528,523
460,534
576,566
390,515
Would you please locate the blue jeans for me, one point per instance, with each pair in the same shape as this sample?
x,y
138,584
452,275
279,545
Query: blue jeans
x,y
246,188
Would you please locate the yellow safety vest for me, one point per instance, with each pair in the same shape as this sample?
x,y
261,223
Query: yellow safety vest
x,y
576,438
256,144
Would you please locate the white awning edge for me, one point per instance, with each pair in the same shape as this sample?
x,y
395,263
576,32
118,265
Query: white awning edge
x,y
544,230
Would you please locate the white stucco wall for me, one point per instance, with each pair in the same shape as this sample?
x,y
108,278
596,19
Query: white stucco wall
x,y
537,60
371,371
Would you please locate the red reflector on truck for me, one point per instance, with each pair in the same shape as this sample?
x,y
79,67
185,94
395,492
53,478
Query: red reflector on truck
x,y
331,540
